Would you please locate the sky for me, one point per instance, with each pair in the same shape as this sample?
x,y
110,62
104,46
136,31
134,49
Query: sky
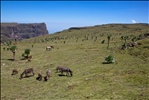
x,y
61,15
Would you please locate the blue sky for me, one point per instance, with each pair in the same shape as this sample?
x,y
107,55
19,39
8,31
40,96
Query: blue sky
x,y
60,15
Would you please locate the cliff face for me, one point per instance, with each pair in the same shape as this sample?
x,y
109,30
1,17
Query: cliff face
x,y
20,31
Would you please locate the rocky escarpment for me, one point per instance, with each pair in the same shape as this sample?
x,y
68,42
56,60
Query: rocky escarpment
x,y
19,31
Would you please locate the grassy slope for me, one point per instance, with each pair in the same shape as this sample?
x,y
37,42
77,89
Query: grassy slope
x,y
127,79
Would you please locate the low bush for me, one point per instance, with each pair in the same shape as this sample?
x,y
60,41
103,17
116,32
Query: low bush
x,y
109,59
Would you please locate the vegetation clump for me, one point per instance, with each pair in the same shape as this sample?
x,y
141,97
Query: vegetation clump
x,y
26,54
103,41
109,59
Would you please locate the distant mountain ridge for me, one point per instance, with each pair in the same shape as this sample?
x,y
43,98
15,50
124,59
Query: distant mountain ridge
x,y
19,31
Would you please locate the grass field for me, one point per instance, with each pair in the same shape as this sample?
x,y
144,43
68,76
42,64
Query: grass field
x,y
81,51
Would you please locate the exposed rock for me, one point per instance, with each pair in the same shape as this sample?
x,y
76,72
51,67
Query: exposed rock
x,y
21,31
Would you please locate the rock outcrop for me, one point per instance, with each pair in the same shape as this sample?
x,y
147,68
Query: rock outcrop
x,y
19,31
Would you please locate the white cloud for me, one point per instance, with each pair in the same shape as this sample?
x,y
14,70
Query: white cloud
x,y
133,21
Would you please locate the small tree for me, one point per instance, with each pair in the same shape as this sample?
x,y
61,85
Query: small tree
x,y
15,41
134,39
122,38
26,53
103,41
108,37
125,38
13,50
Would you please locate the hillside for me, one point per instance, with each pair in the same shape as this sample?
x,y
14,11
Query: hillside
x,y
81,49
19,31
100,31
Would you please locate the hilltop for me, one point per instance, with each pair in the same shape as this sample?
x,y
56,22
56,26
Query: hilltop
x,y
99,31
19,31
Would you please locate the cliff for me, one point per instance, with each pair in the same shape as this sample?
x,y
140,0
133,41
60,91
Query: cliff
x,y
19,31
